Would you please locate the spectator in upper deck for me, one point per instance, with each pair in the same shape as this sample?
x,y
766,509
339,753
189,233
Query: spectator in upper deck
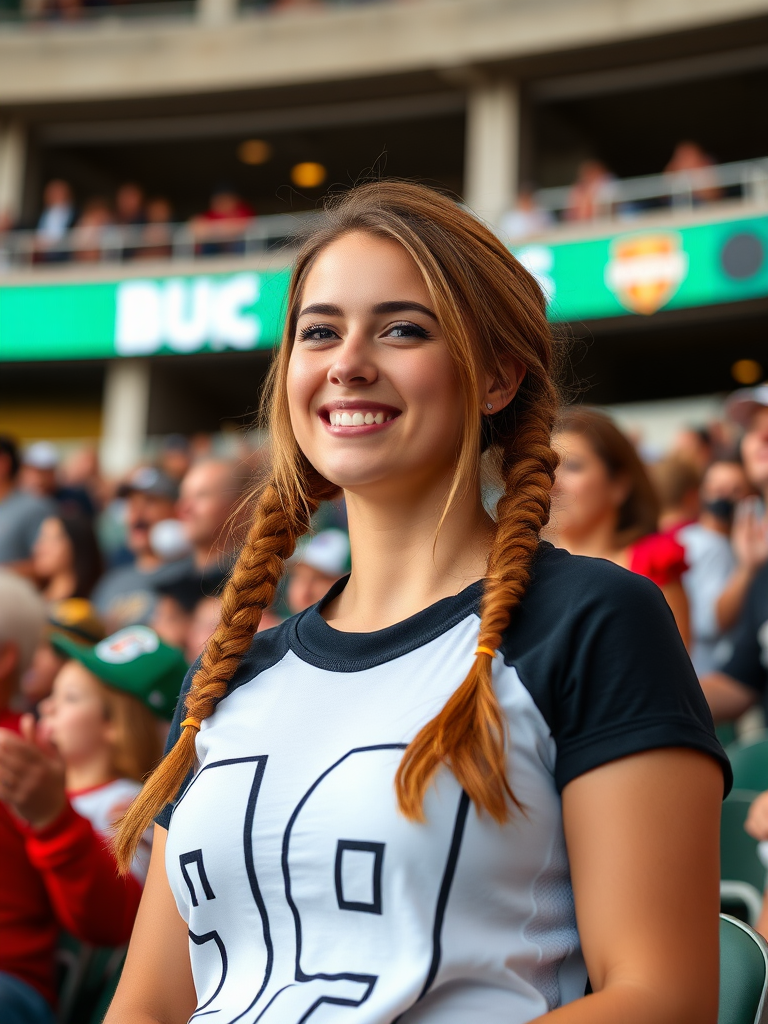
x,y
156,238
57,218
689,158
526,219
592,194
220,228
88,234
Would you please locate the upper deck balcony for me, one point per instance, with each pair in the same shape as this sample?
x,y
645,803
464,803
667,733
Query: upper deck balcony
x,y
180,47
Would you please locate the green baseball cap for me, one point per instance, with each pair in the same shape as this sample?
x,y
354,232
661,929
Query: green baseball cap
x,y
136,661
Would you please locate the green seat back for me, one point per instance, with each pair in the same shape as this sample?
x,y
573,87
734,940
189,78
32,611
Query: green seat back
x,y
738,851
726,733
743,974
749,762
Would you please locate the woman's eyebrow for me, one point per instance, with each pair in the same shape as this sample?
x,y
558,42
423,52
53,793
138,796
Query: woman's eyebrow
x,y
397,306
394,306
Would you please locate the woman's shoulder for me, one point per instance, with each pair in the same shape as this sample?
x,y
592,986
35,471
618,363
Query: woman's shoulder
x,y
658,557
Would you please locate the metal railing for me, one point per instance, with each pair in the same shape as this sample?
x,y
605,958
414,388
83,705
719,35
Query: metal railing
x,y
173,242
616,198
742,182
63,15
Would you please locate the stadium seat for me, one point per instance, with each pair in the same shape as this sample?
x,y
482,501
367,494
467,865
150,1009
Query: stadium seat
x,y
743,974
749,761
89,979
742,875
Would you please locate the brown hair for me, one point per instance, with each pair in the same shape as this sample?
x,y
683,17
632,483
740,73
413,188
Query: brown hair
x,y
638,515
674,480
491,312
136,749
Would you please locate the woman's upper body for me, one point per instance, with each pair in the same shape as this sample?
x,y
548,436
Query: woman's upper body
x,y
379,800
287,855
604,505
66,558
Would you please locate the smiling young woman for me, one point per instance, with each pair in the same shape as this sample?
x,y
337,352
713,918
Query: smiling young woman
x,y
481,768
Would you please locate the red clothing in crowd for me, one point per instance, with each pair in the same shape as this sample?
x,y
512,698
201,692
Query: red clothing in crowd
x,y
62,877
659,557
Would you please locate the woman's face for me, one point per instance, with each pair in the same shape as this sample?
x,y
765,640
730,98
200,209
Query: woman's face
x,y
74,717
585,496
52,552
374,399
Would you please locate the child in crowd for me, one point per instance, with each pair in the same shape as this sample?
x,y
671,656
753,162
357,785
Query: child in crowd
x,y
102,719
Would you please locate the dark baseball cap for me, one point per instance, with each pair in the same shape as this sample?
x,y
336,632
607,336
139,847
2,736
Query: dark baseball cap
x,y
136,661
150,480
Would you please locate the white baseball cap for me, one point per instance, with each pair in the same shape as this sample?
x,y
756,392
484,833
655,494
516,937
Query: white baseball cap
x,y
742,404
328,552
41,455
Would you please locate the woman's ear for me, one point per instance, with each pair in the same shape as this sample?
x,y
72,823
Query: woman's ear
x,y
500,392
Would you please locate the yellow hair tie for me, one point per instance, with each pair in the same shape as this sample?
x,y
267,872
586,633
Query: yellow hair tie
x,y
194,722
486,650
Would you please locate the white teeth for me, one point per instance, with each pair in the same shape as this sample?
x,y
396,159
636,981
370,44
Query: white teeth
x,y
357,419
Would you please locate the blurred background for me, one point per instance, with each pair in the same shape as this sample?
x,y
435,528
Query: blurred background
x,y
154,157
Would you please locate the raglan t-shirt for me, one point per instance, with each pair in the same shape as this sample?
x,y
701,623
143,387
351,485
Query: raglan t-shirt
x,y
310,897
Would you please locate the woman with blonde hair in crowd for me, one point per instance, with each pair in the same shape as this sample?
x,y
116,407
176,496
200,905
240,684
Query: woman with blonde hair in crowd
x,y
605,505
480,769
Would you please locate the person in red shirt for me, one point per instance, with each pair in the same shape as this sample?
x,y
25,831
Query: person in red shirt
x,y
56,872
604,505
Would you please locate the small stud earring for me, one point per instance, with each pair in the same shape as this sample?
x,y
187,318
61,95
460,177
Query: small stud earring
x,y
488,406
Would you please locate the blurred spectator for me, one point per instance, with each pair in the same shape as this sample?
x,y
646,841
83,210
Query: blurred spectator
x,y
696,446
74,618
690,159
220,227
66,559
129,205
209,498
205,619
592,194
318,563
743,677
20,514
126,595
156,238
38,475
103,719
725,484
708,553
174,610
175,456
526,219
57,872
57,218
604,505
88,234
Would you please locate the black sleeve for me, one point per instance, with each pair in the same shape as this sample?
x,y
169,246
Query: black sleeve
x,y
164,817
748,662
609,670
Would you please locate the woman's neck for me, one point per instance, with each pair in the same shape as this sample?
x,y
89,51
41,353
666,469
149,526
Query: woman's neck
x,y
61,586
398,566
95,771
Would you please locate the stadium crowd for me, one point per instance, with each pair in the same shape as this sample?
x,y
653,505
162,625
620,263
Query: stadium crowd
x,y
109,590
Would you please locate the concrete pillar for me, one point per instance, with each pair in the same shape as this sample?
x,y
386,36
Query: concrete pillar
x,y
216,12
13,148
124,414
492,148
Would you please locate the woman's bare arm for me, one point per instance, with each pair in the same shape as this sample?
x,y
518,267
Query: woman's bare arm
x,y
642,837
156,986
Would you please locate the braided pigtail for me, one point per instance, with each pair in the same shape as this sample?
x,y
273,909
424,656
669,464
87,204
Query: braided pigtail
x,y
469,733
277,525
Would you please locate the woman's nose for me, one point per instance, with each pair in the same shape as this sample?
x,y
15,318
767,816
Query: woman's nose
x,y
353,363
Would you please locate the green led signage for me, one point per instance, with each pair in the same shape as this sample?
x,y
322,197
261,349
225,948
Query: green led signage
x,y
634,272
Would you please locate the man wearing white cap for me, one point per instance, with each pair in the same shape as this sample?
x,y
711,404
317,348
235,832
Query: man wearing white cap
x,y
317,565
744,675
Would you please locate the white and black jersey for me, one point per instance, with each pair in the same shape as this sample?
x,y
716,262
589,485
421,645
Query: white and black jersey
x,y
307,893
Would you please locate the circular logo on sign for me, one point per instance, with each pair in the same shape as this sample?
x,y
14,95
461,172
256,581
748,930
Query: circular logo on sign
x,y
127,645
